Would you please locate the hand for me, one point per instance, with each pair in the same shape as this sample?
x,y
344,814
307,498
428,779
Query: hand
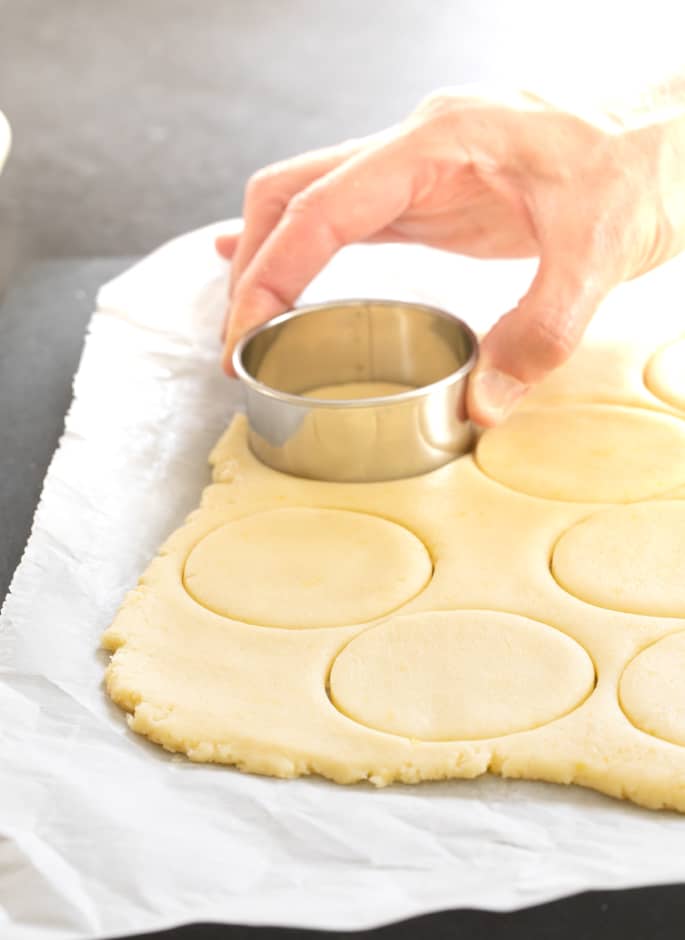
x,y
597,202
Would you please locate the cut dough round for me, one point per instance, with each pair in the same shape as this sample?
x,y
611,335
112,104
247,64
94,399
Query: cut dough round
x,y
457,675
354,391
631,558
306,568
652,690
586,453
665,374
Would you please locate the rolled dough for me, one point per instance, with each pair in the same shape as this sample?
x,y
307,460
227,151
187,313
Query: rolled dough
x,y
587,453
631,558
498,614
653,692
355,390
339,568
335,434
665,375
420,675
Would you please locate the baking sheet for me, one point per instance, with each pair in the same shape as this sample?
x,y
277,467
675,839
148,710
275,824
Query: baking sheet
x,y
102,833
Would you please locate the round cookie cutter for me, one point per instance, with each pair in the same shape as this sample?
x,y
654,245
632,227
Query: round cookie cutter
x,y
384,437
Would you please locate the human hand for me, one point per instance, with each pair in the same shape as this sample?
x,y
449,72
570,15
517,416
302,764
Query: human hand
x,y
596,201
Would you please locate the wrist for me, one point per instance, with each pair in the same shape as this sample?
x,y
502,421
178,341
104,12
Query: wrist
x,y
663,144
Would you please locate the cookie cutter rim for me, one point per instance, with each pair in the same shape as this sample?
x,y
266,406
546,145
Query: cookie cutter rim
x,y
417,392
454,380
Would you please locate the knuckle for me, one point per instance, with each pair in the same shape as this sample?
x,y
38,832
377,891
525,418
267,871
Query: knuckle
x,y
438,101
261,185
450,101
309,208
309,214
608,239
439,108
305,203
551,338
451,114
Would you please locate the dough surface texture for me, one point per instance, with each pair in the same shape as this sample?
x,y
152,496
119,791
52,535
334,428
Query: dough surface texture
x,y
341,568
665,375
586,453
653,692
520,611
451,675
631,558
356,390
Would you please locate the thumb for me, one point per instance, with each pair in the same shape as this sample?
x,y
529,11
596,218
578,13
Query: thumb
x,y
533,339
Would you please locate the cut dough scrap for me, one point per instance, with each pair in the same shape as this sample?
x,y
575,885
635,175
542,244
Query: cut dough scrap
x,y
307,568
631,558
586,453
460,675
665,374
652,689
607,372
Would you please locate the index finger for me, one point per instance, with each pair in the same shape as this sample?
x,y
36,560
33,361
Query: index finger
x,y
349,204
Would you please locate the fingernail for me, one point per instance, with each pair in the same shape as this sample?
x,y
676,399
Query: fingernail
x,y
497,392
227,361
225,323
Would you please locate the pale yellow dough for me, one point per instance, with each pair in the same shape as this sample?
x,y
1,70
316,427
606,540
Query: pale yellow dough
x,y
665,375
498,614
333,433
652,689
352,391
631,558
451,675
587,453
340,568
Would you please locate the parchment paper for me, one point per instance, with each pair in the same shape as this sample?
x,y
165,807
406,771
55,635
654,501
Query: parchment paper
x,y
102,833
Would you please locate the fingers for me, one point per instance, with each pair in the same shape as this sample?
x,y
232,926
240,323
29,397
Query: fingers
x,y
226,244
270,190
533,339
349,204
266,196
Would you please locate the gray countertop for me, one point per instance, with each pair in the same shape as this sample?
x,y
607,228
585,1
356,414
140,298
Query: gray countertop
x,y
42,324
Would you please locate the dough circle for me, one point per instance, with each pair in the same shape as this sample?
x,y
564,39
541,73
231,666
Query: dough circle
x,y
458,675
305,568
665,374
631,558
652,691
355,391
586,453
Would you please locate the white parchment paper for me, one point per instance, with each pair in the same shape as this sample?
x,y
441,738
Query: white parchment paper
x,y
102,833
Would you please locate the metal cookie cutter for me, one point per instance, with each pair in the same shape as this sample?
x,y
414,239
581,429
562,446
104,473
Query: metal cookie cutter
x,y
358,390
